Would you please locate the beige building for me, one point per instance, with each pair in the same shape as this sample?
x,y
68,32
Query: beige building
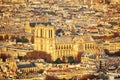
x,y
111,46
64,46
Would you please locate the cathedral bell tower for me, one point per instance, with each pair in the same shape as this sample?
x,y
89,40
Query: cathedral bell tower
x,y
44,37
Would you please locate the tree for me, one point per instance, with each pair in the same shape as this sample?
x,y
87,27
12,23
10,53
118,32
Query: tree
x,y
58,61
18,39
59,31
112,54
22,39
38,55
117,53
100,65
41,71
20,57
70,59
4,56
32,39
107,52
89,76
78,57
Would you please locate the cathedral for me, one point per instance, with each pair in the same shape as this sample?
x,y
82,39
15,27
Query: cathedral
x,y
64,46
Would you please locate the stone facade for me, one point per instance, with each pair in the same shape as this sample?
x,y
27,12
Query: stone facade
x,y
64,46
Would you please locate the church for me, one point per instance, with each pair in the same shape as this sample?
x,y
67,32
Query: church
x,y
61,46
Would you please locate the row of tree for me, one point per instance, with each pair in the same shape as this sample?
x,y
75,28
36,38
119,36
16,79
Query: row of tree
x,y
69,59
38,55
47,57
85,77
115,54
22,39
115,34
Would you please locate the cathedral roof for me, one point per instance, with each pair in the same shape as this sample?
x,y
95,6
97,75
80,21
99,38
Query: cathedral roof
x,y
88,39
72,39
63,39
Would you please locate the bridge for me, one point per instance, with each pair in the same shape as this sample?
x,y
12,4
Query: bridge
x,y
114,74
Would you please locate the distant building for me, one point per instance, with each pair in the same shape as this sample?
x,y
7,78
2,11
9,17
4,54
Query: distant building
x,y
27,67
28,28
112,46
88,58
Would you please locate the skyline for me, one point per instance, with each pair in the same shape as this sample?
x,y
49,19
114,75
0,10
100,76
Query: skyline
x,y
59,39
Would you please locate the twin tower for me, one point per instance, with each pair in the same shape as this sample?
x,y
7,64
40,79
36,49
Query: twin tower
x,y
59,47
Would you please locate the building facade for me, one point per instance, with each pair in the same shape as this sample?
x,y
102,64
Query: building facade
x,y
64,46
112,47
44,39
